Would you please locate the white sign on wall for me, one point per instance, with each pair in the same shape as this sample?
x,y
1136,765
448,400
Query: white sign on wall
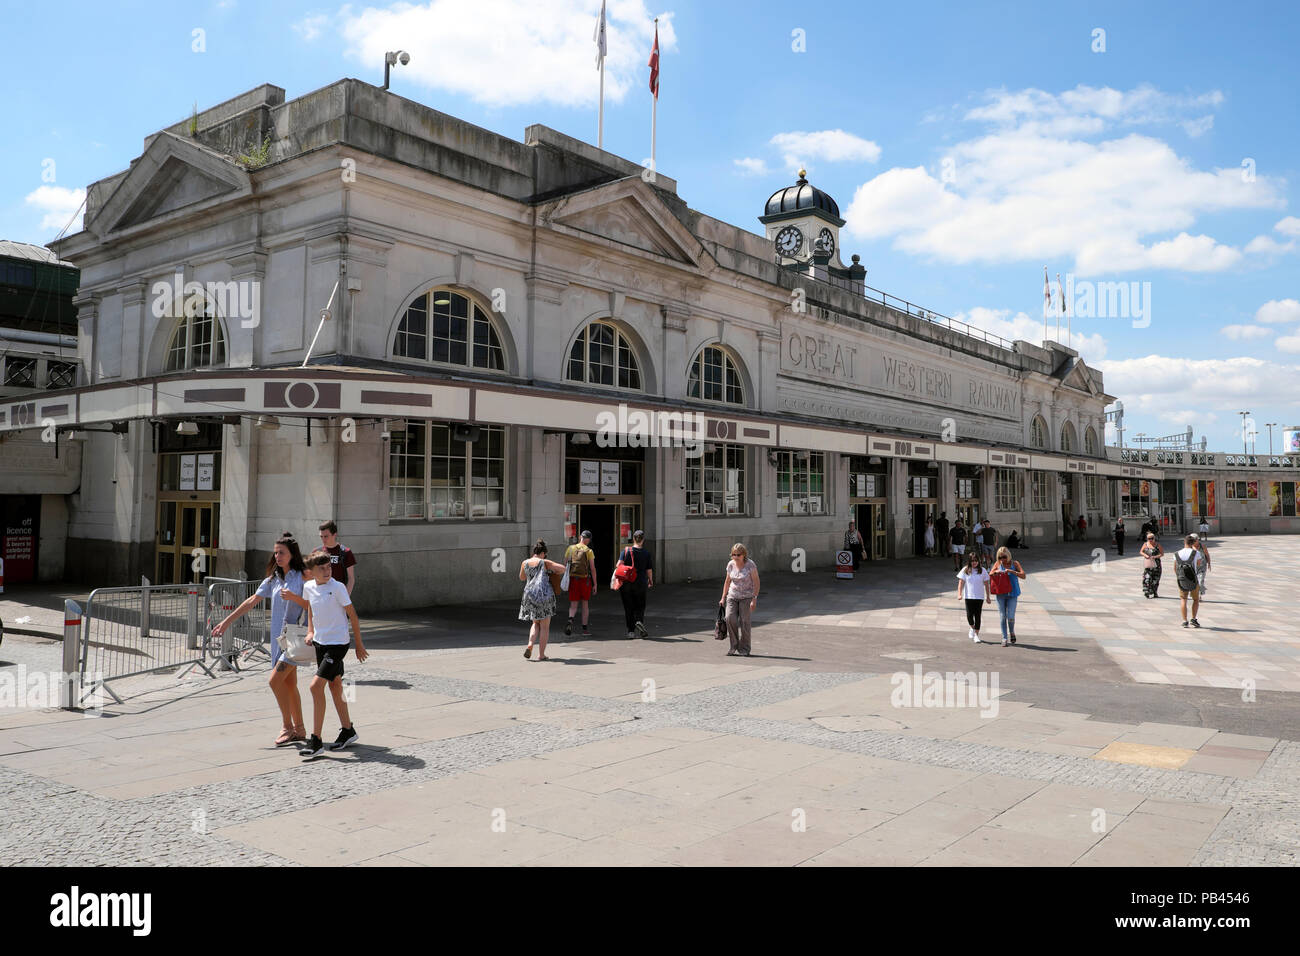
x,y
589,477
187,472
609,477
205,472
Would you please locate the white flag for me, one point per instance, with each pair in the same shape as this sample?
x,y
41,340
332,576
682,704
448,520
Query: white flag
x,y
1047,294
599,36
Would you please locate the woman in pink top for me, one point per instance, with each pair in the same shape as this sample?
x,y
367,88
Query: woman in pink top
x,y
739,596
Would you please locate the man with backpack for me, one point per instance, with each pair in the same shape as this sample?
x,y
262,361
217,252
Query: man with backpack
x,y
581,562
1187,562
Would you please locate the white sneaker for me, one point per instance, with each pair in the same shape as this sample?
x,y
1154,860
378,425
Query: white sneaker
x,y
970,632
974,637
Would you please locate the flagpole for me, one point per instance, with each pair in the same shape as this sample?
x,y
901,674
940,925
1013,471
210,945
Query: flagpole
x,y
654,109
600,128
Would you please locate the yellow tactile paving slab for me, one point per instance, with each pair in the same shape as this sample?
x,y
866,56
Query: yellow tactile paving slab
x,y
1145,755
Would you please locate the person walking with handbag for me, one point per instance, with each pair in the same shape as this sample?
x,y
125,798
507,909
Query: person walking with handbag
x,y
580,562
633,585
284,570
853,543
1151,554
740,587
1004,582
973,588
538,602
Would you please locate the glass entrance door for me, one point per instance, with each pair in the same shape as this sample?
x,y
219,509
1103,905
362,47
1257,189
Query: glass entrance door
x,y
186,541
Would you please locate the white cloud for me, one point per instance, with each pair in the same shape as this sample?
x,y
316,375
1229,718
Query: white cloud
x,y
310,28
751,167
1154,385
1086,109
1290,226
1278,311
1238,332
1268,246
510,52
1001,322
1288,343
58,203
1037,187
831,145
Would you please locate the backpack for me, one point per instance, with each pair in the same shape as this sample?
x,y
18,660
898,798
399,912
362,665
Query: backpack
x,y
580,566
1185,571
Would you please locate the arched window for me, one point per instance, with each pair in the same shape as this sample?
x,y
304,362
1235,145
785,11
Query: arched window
x,y
197,341
1038,432
1090,441
602,355
715,378
1067,437
446,327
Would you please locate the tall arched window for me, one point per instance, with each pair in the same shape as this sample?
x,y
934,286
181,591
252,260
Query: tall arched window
x,y
602,355
1038,432
715,378
1090,441
197,341
1067,437
445,326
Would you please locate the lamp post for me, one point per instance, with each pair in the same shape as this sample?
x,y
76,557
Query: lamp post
x,y
1269,426
1243,431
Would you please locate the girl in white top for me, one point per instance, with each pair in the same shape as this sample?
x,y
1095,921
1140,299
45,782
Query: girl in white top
x,y
973,586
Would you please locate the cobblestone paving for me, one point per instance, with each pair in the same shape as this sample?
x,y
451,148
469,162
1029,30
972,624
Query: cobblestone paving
x,y
49,822
1247,789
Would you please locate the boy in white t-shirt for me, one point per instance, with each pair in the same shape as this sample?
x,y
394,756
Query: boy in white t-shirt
x,y
329,614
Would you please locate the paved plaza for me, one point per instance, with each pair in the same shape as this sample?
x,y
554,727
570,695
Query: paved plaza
x,y
1108,736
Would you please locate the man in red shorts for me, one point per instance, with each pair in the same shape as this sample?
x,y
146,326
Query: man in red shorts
x,y
581,561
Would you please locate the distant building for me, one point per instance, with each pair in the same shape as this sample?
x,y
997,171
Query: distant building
x,y
510,322
38,353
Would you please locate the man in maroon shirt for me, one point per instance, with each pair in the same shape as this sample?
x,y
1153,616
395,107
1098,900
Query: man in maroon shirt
x,y
342,561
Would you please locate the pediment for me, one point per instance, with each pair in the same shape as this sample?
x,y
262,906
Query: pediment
x,y
1079,376
174,174
628,214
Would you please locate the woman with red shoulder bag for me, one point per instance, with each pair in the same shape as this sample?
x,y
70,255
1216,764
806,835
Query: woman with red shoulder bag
x,y
1004,582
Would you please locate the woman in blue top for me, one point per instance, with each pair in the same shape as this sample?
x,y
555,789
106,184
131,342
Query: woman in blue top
x,y
284,570
1007,602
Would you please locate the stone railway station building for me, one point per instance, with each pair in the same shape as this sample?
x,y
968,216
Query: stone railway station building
x,y
526,339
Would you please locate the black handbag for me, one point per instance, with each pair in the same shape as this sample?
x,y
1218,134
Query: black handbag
x,y
720,628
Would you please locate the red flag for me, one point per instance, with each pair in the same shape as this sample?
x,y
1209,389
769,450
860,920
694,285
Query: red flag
x,y
654,65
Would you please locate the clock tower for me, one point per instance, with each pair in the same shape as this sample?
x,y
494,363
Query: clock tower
x,y
803,222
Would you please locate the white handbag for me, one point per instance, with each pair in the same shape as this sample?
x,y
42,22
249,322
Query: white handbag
x,y
293,641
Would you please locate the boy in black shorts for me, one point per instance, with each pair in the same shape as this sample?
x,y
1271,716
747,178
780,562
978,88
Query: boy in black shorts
x,y
329,614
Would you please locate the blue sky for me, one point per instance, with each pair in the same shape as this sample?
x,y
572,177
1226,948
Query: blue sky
x,y
968,145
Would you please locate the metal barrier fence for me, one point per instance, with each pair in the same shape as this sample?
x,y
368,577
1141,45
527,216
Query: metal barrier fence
x,y
249,634
125,632
131,631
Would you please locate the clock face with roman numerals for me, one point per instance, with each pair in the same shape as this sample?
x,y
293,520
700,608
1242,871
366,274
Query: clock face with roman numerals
x,y
789,241
828,241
